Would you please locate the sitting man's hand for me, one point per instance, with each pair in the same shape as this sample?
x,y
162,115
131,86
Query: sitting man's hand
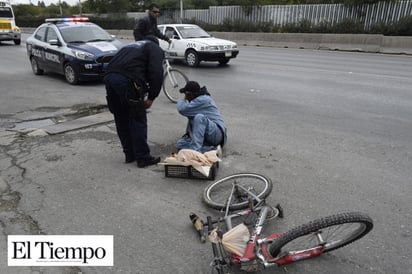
x,y
189,96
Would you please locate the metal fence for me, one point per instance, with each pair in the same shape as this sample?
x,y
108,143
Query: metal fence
x,y
280,15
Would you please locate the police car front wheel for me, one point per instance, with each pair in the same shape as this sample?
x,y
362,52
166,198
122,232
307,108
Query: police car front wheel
x,y
71,75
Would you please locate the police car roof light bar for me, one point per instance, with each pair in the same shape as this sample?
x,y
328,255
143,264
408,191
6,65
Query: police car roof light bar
x,y
68,19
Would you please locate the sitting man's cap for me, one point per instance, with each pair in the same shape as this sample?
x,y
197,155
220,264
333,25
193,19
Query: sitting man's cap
x,y
192,87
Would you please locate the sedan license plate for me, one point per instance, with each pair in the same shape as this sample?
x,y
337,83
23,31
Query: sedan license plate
x,y
228,53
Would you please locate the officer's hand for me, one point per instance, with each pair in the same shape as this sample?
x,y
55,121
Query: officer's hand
x,y
148,103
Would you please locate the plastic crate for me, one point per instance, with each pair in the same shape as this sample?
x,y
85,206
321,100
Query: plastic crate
x,y
188,172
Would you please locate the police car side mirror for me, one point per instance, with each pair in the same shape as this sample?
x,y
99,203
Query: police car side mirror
x,y
54,42
175,37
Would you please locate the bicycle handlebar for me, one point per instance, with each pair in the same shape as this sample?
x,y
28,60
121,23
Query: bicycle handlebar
x,y
198,225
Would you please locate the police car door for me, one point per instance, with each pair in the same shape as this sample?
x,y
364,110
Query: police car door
x,y
37,47
52,54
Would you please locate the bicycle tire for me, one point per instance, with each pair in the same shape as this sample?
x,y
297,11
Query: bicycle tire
x,y
215,195
303,237
172,83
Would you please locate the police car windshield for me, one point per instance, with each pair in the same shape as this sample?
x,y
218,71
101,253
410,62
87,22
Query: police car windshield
x,y
84,34
192,32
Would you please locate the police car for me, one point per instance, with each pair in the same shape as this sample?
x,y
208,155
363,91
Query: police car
x,y
193,44
74,47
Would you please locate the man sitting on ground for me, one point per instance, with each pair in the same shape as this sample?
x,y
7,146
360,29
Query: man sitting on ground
x,y
205,129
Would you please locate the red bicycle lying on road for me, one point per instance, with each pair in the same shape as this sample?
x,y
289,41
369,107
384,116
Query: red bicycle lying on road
x,y
244,194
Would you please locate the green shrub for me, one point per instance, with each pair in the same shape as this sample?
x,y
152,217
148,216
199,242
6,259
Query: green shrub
x,y
404,26
114,22
29,21
322,27
348,26
382,28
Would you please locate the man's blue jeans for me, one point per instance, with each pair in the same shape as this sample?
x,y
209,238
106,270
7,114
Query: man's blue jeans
x,y
132,131
204,135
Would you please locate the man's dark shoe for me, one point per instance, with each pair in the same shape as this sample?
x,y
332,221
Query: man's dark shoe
x,y
148,161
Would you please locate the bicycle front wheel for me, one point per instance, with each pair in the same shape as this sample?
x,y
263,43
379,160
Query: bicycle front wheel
x,y
217,193
173,81
331,232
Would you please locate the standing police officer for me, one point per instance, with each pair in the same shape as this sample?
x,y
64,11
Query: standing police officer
x,y
133,81
148,25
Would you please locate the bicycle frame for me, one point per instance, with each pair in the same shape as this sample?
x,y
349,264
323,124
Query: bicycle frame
x,y
166,65
242,197
173,80
256,248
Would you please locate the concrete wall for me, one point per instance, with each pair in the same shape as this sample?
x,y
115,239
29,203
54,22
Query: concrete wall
x,y
346,42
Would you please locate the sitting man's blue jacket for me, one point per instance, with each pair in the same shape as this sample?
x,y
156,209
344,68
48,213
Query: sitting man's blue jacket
x,y
205,105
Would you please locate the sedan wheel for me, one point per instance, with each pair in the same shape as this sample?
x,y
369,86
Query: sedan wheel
x,y
35,67
192,60
71,75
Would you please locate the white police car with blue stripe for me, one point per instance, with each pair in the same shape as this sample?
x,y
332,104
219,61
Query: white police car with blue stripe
x,y
73,47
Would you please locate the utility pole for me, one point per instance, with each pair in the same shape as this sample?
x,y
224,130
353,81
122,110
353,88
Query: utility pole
x,y
60,5
181,11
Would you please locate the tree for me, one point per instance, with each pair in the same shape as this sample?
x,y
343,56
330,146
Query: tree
x,y
199,4
25,10
108,6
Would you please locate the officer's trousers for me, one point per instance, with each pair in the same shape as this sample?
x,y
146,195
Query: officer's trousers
x,y
132,130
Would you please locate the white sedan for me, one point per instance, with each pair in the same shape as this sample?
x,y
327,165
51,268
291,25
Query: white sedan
x,y
193,44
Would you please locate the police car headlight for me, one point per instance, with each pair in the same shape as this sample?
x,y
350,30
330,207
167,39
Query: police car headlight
x,y
83,55
234,47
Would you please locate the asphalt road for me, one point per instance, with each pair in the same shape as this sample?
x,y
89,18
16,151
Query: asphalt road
x,y
333,130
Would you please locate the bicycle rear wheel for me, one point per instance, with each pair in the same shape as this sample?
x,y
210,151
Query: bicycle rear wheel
x,y
217,193
173,81
332,232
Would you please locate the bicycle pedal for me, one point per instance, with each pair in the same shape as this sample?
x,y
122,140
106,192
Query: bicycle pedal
x,y
280,209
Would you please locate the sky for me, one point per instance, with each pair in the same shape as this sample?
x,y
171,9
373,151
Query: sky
x,y
47,2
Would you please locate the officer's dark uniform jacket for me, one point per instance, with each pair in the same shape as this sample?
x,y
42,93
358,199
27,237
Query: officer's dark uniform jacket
x,y
147,26
141,62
